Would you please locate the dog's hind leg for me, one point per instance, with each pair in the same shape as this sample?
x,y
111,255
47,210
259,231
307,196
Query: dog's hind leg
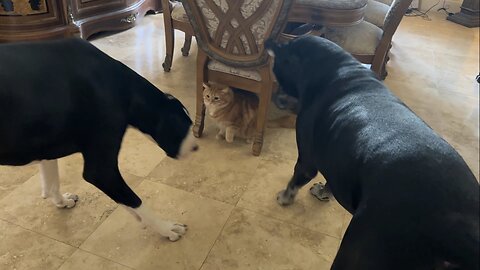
x,y
302,175
102,171
50,182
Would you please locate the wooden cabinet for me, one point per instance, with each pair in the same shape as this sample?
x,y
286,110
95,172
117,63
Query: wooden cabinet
x,y
48,19
93,16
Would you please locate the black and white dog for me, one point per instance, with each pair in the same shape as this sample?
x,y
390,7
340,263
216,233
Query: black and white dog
x,y
64,97
415,202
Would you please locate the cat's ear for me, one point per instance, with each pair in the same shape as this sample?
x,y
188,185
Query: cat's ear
x,y
226,89
205,86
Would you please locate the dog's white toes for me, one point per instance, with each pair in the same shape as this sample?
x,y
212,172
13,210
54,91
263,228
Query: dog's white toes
x,y
284,198
176,230
180,228
66,203
70,196
69,201
174,237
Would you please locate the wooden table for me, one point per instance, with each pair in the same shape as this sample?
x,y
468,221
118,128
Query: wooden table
x,y
328,12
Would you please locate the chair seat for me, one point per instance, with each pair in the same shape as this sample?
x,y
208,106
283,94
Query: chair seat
x,y
360,39
336,4
375,12
386,2
242,72
178,13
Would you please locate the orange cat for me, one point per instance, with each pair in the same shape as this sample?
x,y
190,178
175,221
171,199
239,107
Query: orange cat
x,y
235,112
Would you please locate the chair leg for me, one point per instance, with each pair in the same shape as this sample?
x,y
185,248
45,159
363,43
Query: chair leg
x,y
200,106
264,101
169,42
186,45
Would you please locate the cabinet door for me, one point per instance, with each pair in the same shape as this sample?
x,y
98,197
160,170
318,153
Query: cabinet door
x,y
18,15
88,8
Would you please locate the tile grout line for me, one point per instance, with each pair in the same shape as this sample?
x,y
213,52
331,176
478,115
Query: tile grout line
x,y
110,260
218,237
292,224
39,233
289,223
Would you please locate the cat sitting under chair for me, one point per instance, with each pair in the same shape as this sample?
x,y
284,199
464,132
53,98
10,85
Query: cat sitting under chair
x,y
235,111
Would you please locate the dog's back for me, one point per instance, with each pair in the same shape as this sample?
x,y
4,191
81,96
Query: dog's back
x,y
398,168
51,91
412,196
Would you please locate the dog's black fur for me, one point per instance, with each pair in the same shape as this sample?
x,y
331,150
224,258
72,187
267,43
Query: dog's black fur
x,y
415,202
63,97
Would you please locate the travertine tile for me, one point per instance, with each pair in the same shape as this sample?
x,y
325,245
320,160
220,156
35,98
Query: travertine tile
x,y
82,260
139,155
25,207
13,176
252,241
121,237
219,170
307,211
23,249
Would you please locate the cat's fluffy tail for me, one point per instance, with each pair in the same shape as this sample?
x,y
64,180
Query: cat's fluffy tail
x,y
287,121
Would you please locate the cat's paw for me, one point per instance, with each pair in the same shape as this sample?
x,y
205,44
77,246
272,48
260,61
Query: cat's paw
x,y
219,136
229,140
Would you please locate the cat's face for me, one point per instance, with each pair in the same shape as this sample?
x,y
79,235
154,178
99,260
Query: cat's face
x,y
216,96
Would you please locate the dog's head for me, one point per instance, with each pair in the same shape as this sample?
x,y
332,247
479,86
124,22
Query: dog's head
x,y
286,67
302,60
173,130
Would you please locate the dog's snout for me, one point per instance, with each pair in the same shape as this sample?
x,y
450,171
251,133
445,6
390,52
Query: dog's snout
x,y
195,148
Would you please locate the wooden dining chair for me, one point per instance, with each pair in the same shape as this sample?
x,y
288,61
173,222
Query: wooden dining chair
x,y
230,35
174,17
369,43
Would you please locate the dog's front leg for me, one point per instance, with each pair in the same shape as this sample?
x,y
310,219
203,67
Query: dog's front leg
x,y
104,174
302,175
166,228
50,182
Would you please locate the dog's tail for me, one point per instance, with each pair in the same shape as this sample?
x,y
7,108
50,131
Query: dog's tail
x,y
287,121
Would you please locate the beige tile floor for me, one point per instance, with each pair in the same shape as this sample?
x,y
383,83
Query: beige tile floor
x,y
225,195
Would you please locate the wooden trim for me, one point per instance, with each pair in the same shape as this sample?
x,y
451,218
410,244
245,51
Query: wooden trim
x,y
235,81
50,25
326,16
116,20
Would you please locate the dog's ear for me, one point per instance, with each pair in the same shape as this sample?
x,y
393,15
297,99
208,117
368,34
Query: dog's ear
x,y
272,47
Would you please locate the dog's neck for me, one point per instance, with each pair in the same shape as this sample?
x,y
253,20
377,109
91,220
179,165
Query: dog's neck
x,y
145,106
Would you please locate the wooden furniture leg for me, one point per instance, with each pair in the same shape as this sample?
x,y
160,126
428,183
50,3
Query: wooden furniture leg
x,y
200,106
264,101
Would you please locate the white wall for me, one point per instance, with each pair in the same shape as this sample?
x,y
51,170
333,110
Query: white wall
x,y
452,4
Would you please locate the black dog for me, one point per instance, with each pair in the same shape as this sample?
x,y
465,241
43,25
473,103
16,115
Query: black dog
x,y
64,97
415,202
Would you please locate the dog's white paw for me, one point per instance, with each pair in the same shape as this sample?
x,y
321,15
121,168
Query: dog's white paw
x,y
69,200
174,231
285,198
